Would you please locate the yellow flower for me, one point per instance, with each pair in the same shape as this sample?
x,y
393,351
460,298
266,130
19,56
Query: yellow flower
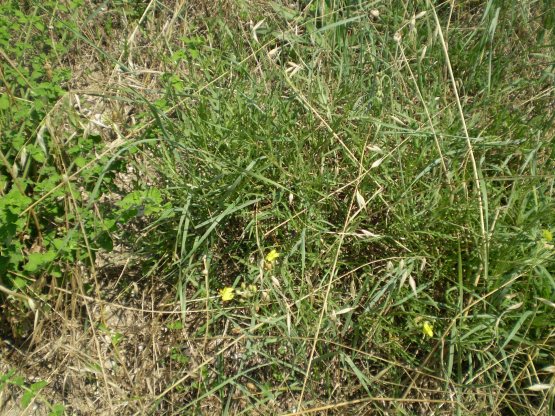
x,y
272,256
227,293
427,329
547,235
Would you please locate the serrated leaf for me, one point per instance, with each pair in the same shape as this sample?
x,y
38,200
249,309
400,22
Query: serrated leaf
x,y
36,153
18,381
80,161
35,261
15,201
19,282
38,385
175,325
26,398
57,409
5,377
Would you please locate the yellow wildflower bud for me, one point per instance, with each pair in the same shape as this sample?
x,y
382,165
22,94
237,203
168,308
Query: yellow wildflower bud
x,y
272,256
428,329
227,293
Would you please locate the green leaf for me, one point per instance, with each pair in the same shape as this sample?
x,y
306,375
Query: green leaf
x,y
18,381
36,153
148,201
35,261
116,338
515,329
175,325
80,161
26,398
177,356
104,241
364,381
340,23
57,409
5,377
4,102
36,387
19,283
15,201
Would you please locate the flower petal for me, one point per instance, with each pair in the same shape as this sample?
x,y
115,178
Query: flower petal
x,y
272,256
427,329
227,293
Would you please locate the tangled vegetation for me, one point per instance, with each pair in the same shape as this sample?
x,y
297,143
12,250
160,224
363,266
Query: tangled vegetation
x,y
249,207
